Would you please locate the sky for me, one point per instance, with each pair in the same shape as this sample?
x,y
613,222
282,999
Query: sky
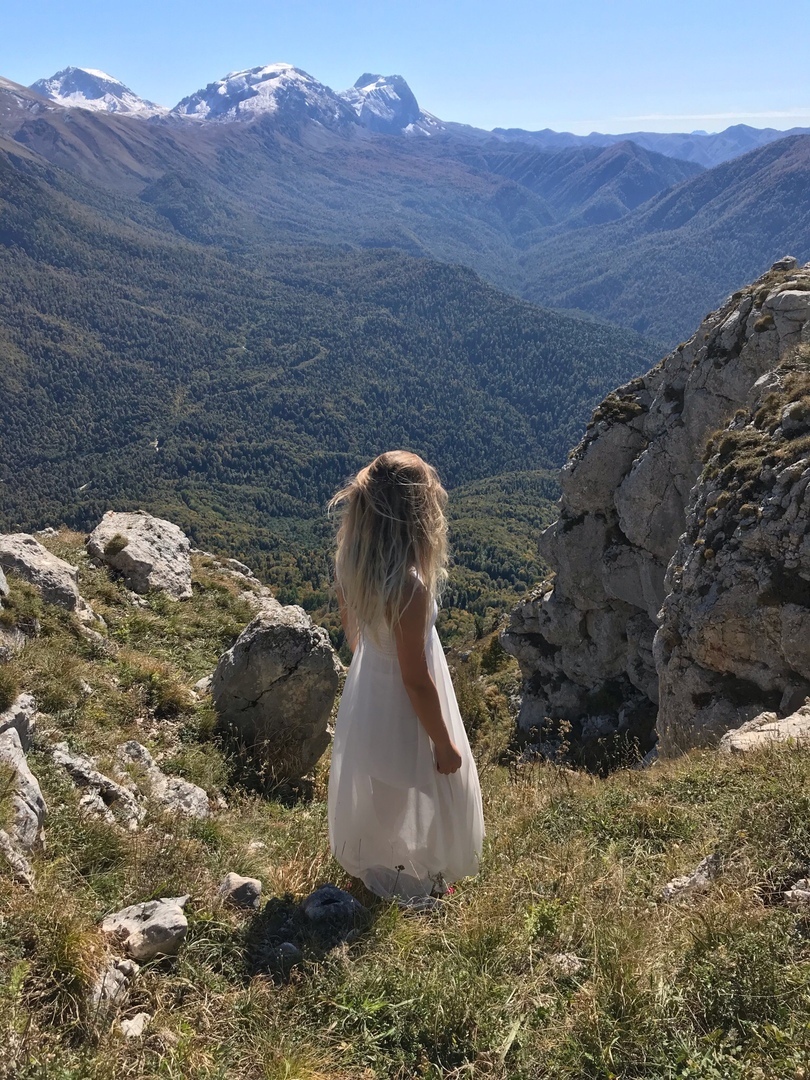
x,y
580,65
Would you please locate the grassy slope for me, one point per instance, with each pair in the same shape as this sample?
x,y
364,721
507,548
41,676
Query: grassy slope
x,y
716,988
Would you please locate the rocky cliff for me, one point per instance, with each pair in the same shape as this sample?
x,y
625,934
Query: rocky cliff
x,y
585,637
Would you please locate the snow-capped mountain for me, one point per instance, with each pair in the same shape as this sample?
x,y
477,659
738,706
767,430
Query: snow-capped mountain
x,y
275,89
386,103
88,88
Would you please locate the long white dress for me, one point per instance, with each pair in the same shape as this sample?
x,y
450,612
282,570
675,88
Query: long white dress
x,y
405,829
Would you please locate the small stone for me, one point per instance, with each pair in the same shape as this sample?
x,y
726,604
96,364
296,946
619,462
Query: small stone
x,y
256,845
799,894
566,964
203,685
698,881
135,1026
112,985
154,928
241,891
332,913
281,959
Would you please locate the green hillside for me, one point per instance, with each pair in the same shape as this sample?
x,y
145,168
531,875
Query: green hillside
x,y
234,393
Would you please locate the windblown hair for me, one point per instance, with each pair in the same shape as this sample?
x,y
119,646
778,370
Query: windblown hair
x,y
392,525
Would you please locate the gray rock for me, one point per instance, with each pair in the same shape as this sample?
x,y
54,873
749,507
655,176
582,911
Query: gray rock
x,y
799,895
275,687
28,805
203,685
55,579
241,891
134,1027
104,797
566,965
698,881
112,985
22,716
283,958
149,552
766,730
176,795
332,914
20,866
587,635
154,928
3,586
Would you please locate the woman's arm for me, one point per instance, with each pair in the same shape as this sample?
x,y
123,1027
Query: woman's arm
x,y
349,628
410,637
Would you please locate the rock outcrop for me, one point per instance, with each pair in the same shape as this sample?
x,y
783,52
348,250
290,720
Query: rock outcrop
x,y
768,729
176,795
734,637
584,639
56,580
27,806
275,688
147,551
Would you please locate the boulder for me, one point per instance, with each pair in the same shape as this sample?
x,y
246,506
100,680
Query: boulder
x,y
240,891
275,688
148,552
55,579
176,795
766,730
144,931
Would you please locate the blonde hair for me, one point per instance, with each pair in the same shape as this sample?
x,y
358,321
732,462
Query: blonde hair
x,y
392,524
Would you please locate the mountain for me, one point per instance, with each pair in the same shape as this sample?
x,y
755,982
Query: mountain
x,y
386,104
234,390
276,89
87,88
587,185
663,265
698,146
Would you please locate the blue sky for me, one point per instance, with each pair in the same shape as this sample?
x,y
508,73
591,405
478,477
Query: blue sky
x,y
584,65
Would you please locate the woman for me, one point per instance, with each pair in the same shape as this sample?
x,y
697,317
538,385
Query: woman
x,y
404,800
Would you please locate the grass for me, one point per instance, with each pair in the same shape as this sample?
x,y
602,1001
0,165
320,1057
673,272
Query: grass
x,y
715,987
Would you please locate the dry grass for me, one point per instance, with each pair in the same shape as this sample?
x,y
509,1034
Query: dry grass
x,y
716,987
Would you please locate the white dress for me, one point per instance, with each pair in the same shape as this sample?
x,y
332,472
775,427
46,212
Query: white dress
x,y
397,823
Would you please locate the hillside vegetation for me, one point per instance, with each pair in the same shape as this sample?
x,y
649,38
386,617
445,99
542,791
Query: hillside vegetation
x,y
560,960
233,395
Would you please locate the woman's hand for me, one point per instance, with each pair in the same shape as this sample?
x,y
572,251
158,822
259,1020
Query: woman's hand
x,y
448,759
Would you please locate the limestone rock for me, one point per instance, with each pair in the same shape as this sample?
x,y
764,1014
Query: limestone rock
x,y
799,895
20,866
154,928
112,985
21,715
566,965
698,881
584,639
55,579
734,635
134,1027
149,552
103,797
27,802
241,891
3,586
766,730
177,796
275,687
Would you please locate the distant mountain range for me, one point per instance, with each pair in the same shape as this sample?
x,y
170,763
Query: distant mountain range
x,y
383,104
